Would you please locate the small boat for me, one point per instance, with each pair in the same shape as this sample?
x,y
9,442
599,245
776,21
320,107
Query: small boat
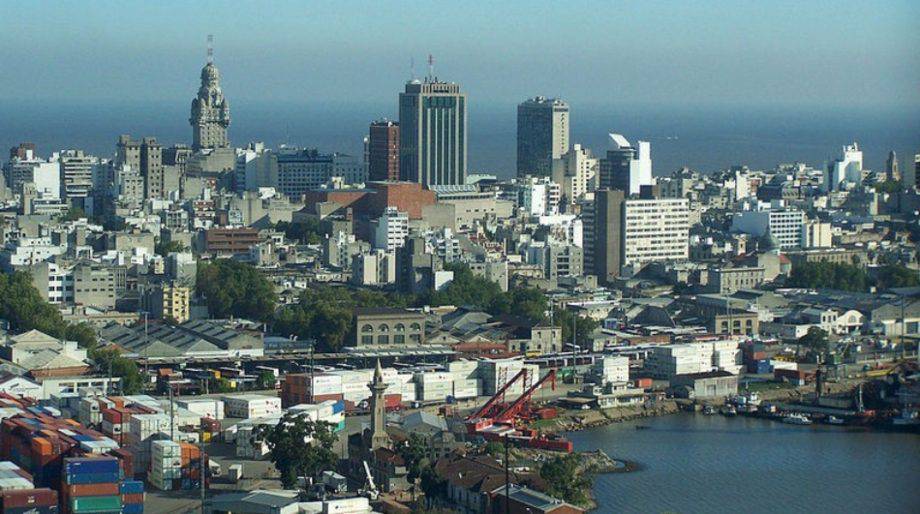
x,y
729,411
642,427
709,410
833,420
797,418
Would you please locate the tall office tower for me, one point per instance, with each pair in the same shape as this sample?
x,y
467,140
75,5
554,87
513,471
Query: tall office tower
x,y
626,168
603,237
917,171
210,110
891,166
432,133
846,169
542,134
576,172
146,157
622,232
77,170
655,230
383,151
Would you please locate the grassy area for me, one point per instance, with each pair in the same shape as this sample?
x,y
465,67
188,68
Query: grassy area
x,y
542,423
757,387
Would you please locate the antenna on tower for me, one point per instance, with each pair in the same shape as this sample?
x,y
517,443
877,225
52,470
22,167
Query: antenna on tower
x,y
210,48
430,67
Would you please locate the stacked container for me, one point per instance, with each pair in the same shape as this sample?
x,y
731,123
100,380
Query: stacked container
x,y
209,428
299,388
175,466
247,406
132,497
91,485
436,386
12,478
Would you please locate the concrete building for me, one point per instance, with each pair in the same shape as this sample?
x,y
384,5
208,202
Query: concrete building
x,y
542,135
77,170
167,301
383,151
576,173
94,285
626,168
539,196
433,133
210,113
726,280
655,230
384,326
146,158
782,223
295,171
846,169
390,230
45,176
602,235
816,234
374,268
712,384
230,241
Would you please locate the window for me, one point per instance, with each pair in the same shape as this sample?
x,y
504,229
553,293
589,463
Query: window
x,y
383,327
415,326
399,339
383,339
399,327
367,339
367,328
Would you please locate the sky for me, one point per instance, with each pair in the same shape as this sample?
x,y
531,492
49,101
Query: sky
x,y
645,52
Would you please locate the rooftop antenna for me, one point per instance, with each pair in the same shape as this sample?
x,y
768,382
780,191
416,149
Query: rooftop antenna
x,y
430,67
210,48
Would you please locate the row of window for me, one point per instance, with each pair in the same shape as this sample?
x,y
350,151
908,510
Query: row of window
x,y
383,327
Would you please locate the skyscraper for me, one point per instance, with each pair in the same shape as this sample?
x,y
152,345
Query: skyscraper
x,y
576,172
76,176
846,169
145,157
603,234
626,168
432,133
383,151
891,166
210,111
542,134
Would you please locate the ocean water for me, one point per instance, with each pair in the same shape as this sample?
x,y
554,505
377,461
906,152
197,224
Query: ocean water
x,y
705,139
691,463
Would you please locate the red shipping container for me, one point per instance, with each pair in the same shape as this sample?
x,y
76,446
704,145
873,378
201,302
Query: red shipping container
x,y
109,489
324,397
29,498
132,498
644,383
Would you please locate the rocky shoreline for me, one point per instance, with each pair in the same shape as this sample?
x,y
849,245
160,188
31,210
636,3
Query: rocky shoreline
x,y
576,420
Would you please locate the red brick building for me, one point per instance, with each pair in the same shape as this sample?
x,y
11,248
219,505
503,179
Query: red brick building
x,y
369,203
383,151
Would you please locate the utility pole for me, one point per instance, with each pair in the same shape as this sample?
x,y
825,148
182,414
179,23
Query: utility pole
x,y
507,478
203,474
172,434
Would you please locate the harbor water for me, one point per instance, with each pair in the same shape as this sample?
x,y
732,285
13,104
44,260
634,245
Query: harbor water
x,y
693,463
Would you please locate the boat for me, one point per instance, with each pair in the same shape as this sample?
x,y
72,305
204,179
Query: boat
x,y
709,410
729,410
642,427
796,418
834,420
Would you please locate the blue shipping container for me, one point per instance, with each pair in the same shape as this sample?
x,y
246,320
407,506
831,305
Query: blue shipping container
x,y
91,478
131,487
132,508
338,407
97,465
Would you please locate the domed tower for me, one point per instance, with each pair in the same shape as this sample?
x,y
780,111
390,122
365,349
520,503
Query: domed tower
x,y
210,110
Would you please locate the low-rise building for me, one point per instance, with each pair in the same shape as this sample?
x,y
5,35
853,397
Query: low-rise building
x,y
713,384
384,326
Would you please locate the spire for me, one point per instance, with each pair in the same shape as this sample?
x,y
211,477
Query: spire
x,y
378,373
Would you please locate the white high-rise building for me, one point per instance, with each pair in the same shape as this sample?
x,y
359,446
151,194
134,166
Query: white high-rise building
x,y
774,218
391,230
576,173
540,196
77,170
626,168
45,175
655,230
847,169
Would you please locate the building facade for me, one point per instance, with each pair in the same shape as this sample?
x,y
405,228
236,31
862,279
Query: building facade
x,y
626,168
433,133
655,230
542,135
210,116
576,173
383,326
383,151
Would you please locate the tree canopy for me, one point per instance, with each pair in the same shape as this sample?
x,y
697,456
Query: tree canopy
x,y
565,479
299,447
850,277
233,288
164,248
307,231
324,313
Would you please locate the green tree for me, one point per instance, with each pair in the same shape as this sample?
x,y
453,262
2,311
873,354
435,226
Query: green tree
x,y
893,275
815,340
164,248
495,449
110,360
232,288
266,380
415,453
827,275
73,214
584,326
565,479
307,231
289,453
